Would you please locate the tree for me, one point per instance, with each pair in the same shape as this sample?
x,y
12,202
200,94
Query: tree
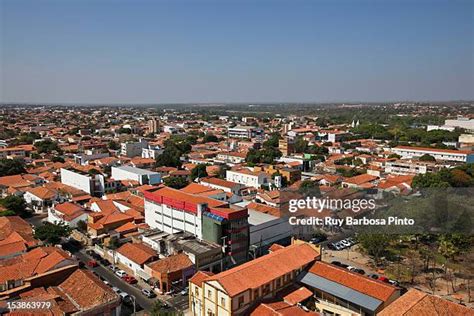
x,y
460,179
374,244
310,188
9,167
113,145
175,182
300,145
57,159
199,172
114,243
82,226
47,146
272,141
427,157
52,233
210,138
15,204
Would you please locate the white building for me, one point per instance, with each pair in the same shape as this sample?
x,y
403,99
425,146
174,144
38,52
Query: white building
x,y
143,176
162,212
151,152
40,199
67,213
133,149
91,184
407,152
244,132
231,157
461,122
248,178
83,158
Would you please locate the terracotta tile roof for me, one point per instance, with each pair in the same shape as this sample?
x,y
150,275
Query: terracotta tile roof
x,y
280,309
263,208
220,182
200,277
69,210
86,290
182,196
16,181
298,296
36,261
171,264
417,303
360,283
275,247
262,270
360,179
137,252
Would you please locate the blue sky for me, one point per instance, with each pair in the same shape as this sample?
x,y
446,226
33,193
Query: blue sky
x,y
140,51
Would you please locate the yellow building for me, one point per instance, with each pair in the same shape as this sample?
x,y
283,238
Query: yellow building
x,y
235,291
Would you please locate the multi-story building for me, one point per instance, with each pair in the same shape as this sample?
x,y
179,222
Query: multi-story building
x,y
244,132
286,146
93,184
173,211
151,152
153,126
236,291
248,178
231,157
404,167
143,176
408,152
461,122
133,149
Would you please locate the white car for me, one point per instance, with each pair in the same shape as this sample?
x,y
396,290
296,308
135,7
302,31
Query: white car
x,y
116,289
120,273
345,243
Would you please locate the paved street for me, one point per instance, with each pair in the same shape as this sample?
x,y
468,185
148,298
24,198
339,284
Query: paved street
x,y
177,302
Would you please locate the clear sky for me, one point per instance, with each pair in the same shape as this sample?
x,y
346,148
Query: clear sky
x,y
139,51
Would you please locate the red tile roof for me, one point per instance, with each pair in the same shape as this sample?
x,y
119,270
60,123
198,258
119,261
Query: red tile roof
x,y
360,283
262,270
137,252
417,303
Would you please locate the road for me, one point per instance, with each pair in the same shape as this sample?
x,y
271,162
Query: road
x,y
177,303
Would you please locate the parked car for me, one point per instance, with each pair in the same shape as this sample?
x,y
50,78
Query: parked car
x,y
129,279
120,273
350,268
360,271
148,293
184,291
92,263
331,246
114,268
116,289
343,265
383,279
374,276
393,282
124,295
336,263
345,243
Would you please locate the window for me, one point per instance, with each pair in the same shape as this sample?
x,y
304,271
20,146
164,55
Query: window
x,y
266,289
278,282
241,301
222,301
209,293
196,291
255,293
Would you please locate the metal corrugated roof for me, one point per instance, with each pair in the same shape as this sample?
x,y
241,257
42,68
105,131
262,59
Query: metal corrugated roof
x,y
340,291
